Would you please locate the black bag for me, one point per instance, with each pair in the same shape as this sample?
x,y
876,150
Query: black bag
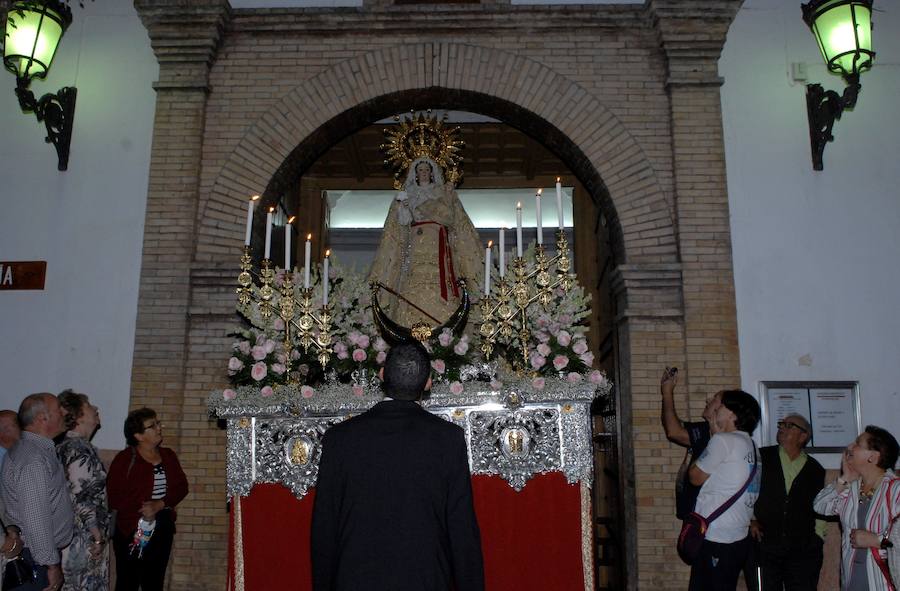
x,y
19,571
694,525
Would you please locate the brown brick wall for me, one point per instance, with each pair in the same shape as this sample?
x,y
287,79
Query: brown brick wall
x,y
627,96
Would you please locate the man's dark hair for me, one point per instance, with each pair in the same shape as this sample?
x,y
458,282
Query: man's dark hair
x,y
73,403
134,423
406,371
885,444
745,409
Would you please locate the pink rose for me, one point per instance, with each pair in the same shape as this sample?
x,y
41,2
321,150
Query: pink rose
x,y
597,377
543,321
461,348
580,346
543,336
543,349
538,360
229,394
353,337
278,324
439,366
445,338
537,383
587,358
260,340
278,368
357,390
342,354
244,347
339,347
307,392
563,338
574,377
560,361
359,355
235,365
363,341
380,357
258,352
380,344
266,391
269,346
279,278
456,388
295,354
496,384
258,371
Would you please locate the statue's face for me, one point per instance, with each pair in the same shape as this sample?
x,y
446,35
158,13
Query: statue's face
x,y
423,173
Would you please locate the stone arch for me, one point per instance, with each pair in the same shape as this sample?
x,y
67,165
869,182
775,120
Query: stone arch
x,y
571,122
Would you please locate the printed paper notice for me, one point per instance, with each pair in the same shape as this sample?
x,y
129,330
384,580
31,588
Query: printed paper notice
x,y
833,417
783,402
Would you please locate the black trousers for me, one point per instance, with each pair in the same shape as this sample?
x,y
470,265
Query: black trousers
x,y
718,566
791,565
147,573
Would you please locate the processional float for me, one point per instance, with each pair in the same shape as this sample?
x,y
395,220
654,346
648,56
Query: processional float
x,y
308,359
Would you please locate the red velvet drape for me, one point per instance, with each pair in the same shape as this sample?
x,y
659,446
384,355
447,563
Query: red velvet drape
x,y
532,540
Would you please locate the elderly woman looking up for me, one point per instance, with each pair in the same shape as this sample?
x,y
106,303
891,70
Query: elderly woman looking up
x,y
145,484
865,496
85,561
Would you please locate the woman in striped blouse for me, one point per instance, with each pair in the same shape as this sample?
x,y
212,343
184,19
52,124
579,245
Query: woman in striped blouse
x,y
145,483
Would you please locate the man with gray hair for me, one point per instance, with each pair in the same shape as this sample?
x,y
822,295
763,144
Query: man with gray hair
x,y
33,487
785,525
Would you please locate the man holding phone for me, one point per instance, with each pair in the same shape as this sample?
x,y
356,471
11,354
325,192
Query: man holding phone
x,y
693,435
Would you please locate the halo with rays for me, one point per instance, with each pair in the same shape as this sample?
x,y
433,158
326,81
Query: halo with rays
x,y
423,135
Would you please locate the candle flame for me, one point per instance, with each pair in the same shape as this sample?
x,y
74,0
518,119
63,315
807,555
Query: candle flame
x,y
254,198
291,219
539,192
557,179
328,253
519,205
271,210
490,243
309,236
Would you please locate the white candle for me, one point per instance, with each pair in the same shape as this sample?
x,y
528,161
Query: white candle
x,y
250,206
325,279
502,251
287,243
519,229
540,222
269,232
559,209
487,268
307,252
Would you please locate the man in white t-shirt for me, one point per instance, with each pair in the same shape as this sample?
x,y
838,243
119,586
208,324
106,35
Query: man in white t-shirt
x,y
723,469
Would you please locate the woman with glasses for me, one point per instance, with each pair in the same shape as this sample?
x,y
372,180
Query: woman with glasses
x,y
145,484
865,496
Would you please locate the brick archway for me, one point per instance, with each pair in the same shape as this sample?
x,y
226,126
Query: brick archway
x,y
608,161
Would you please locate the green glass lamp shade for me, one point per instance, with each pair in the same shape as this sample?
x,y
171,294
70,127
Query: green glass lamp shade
x,y
843,29
33,31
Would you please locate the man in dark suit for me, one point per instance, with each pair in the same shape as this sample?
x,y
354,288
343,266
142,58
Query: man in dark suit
x,y
785,524
393,508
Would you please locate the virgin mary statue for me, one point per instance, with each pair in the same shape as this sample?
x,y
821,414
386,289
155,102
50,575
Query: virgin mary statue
x,y
428,243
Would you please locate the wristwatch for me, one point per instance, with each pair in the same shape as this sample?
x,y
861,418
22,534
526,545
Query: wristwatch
x,y
886,543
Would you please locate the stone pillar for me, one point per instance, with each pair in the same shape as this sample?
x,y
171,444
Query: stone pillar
x,y
184,36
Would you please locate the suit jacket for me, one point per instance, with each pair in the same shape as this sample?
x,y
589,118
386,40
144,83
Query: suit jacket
x,y
393,507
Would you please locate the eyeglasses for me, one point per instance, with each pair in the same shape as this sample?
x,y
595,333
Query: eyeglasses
x,y
154,425
787,425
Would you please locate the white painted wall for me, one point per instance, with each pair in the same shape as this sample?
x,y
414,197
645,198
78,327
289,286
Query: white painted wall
x,y
815,253
87,222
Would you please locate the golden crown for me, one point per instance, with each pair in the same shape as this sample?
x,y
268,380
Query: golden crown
x,y
423,136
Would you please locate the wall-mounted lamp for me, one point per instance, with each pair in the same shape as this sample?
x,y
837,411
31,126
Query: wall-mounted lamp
x,y
33,31
843,30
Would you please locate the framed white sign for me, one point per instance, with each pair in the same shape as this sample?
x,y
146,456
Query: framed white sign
x,y
832,409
